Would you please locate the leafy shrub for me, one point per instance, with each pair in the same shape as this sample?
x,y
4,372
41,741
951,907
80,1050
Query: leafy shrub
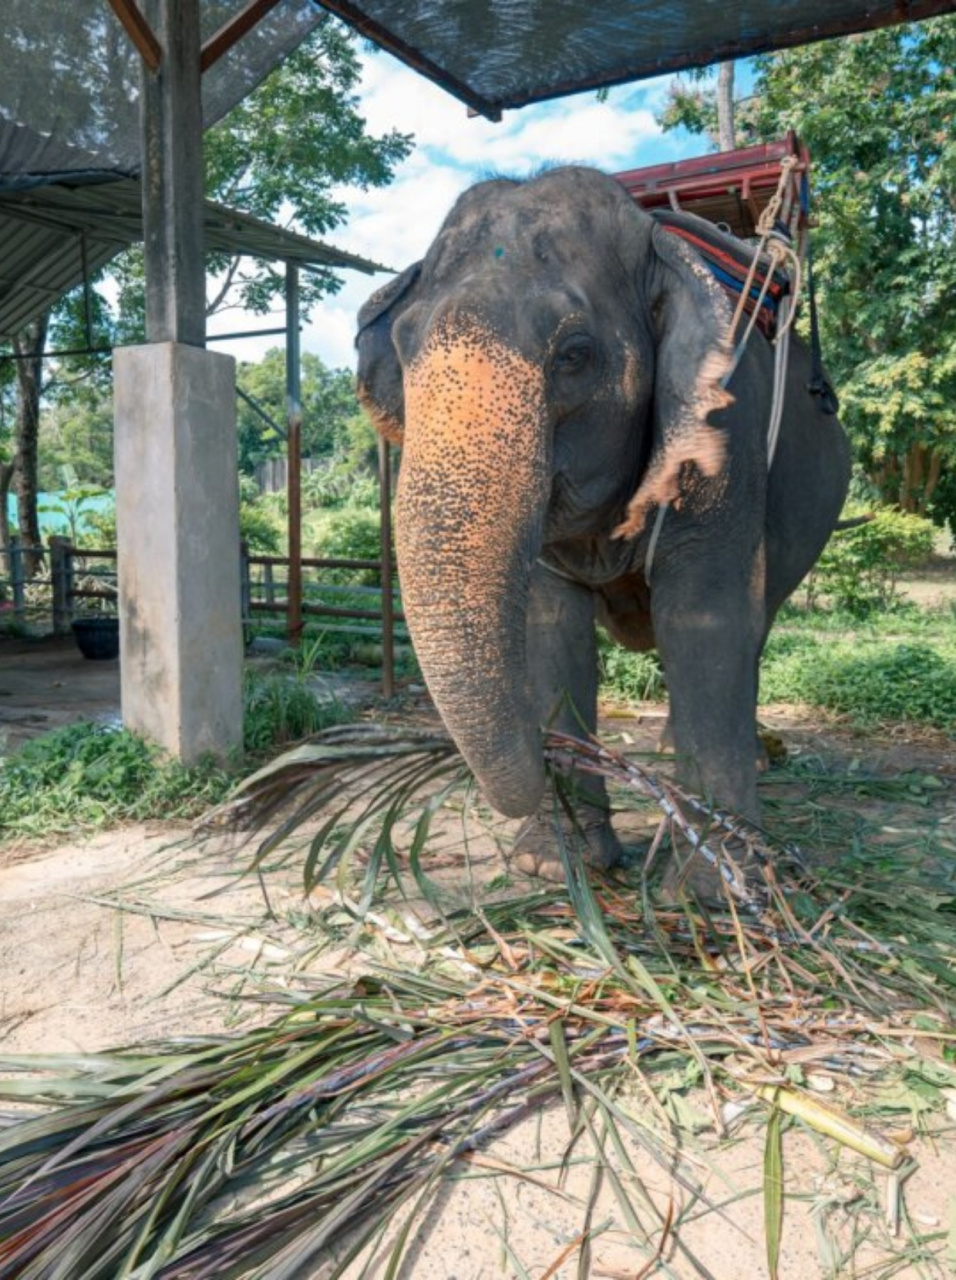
x,y
89,775
354,533
86,776
870,680
860,568
335,483
259,525
636,677
281,708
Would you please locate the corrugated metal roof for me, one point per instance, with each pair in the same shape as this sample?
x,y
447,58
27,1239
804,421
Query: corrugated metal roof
x,y
497,54
51,237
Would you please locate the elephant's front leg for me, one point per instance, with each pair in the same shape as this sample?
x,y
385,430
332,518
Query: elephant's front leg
x,y
563,680
708,615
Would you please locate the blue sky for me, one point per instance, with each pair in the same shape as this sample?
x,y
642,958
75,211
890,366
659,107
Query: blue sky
x,y
396,224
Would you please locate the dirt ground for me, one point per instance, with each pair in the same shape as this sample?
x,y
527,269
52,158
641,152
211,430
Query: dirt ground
x,y
47,683
137,934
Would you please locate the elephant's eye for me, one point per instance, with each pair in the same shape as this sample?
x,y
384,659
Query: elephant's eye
x,y
574,353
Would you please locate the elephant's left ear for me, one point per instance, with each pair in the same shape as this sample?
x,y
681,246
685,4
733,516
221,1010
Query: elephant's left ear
x,y
379,374
691,318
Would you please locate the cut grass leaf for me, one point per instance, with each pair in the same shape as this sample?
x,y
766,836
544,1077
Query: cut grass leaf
x,y
250,1156
773,1190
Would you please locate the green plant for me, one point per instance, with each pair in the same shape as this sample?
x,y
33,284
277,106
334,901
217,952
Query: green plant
x,y
335,483
638,677
90,775
280,707
101,525
354,533
76,506
860,568
868,678
259,526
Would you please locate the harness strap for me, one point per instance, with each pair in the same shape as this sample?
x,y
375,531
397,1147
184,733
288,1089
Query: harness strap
x,y
818,384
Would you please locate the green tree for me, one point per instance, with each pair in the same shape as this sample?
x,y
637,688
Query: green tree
x,y
877,113
328,404
284,154
76,441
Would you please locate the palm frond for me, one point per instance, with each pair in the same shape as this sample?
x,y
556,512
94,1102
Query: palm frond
x,y
254,1155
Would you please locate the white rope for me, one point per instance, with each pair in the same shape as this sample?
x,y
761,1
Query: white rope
x,y
781,358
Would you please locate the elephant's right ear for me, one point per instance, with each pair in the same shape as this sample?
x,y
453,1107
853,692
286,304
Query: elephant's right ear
x,y
380,390
692,321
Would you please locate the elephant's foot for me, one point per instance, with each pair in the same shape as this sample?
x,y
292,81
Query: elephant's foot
x,y
537,847
738,877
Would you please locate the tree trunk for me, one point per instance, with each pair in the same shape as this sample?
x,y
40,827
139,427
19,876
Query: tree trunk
x,y
910,481
29,345
726,130
932,477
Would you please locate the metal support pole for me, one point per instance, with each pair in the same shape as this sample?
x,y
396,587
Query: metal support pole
x,y
245,575
293,399
87,292
388,602
171,116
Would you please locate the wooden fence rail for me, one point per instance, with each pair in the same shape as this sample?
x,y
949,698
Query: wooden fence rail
x,y
72,577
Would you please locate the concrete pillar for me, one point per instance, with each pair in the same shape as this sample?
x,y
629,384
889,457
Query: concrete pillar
x,y
177,528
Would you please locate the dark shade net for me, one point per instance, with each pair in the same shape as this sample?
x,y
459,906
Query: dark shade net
x,y
69,82
506,53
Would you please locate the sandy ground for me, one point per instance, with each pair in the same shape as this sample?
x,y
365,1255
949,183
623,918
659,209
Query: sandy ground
x,y
79,974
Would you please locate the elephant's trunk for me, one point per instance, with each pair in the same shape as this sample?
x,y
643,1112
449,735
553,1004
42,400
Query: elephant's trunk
x,y
472,493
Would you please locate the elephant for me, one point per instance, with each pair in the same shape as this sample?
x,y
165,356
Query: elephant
x,y
558,370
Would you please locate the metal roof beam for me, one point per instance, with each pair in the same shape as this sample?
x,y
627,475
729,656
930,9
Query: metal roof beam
x,y
418,61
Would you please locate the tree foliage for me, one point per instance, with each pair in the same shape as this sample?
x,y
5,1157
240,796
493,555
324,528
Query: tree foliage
x,y
328,403
877,112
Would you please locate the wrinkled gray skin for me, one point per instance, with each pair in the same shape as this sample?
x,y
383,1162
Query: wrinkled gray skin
x,y
552,369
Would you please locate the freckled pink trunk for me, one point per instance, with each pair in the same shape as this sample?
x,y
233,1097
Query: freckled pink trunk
x,y
472,491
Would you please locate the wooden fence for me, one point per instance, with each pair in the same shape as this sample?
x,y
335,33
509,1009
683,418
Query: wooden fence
x,y
349,596
354,597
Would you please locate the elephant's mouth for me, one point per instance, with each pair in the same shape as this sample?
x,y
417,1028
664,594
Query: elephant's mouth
x,y
472,494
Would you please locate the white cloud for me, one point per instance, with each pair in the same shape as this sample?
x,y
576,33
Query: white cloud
x,y
394,225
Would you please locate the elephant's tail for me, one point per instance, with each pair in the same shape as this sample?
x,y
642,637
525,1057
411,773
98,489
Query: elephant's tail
x,y
853,522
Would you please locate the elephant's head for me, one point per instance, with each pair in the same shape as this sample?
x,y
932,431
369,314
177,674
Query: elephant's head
x,y
548,368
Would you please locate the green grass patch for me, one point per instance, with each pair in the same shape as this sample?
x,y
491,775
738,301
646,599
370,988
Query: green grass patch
x,y
900,666
635,677
867,678
85,776
281,707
